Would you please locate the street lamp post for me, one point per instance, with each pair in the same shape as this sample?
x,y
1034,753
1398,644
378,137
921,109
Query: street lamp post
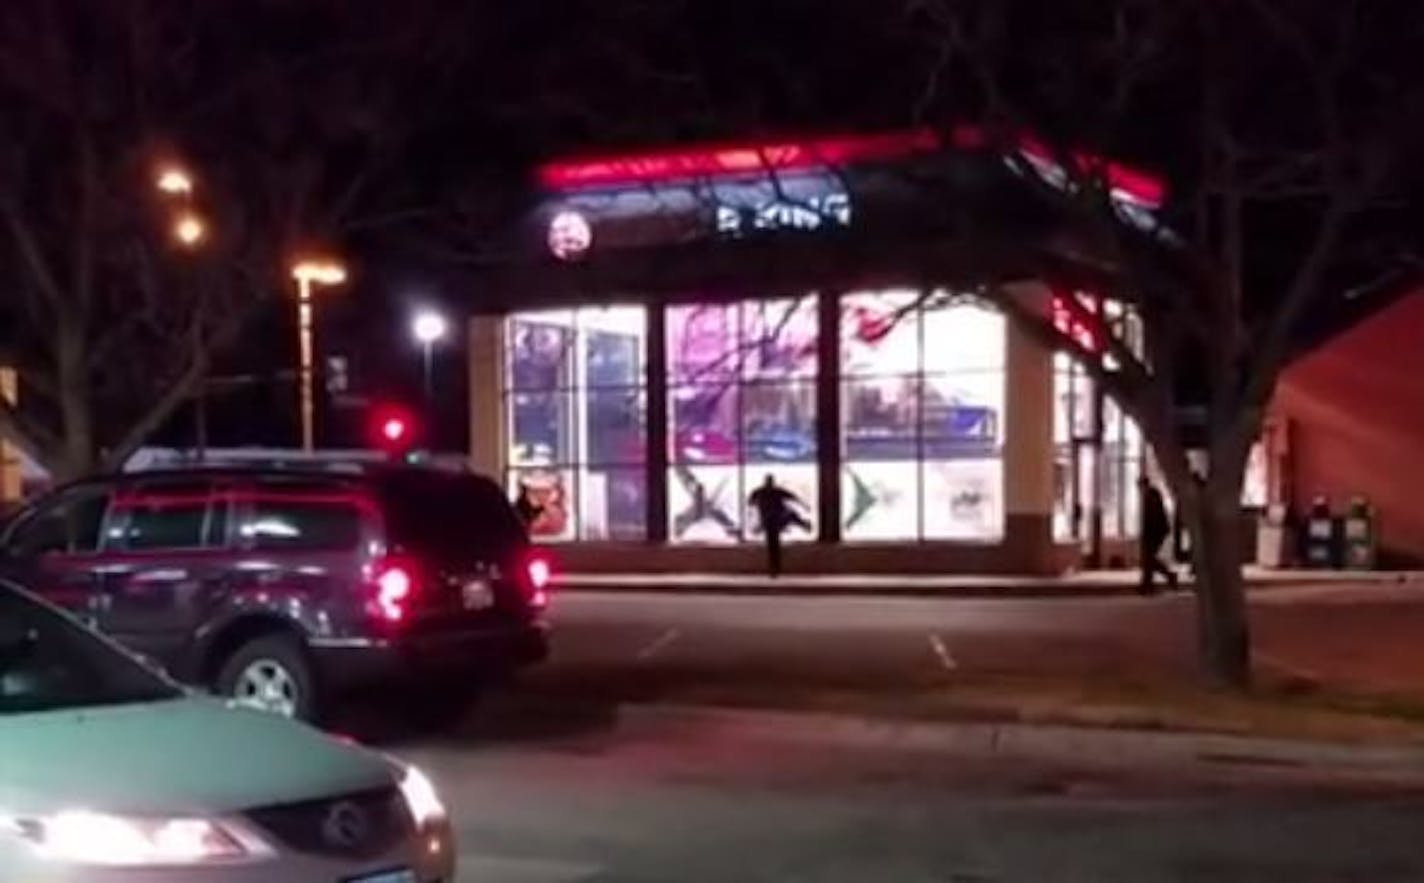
x,y
429,327
309,274
175,185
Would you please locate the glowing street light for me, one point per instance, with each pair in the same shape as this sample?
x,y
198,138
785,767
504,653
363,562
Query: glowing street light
x,y
309,273
190,230
174,181
429,328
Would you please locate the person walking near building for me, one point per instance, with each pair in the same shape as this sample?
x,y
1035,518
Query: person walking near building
x,y
776,507
1156,527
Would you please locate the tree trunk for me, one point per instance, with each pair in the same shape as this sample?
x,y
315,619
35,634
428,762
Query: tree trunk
x,y
78,457
1223,631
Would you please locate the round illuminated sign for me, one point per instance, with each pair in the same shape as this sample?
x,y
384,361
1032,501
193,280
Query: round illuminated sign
x,y
570,236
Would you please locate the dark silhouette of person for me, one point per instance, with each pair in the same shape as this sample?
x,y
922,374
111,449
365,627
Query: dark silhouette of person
x,y
525,507
777,510
1156,527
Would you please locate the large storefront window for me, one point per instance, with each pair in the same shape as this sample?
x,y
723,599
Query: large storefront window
x,y
576,395
922,401
741,405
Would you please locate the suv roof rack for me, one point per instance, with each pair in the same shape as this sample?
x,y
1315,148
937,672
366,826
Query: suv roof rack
x,y
269,460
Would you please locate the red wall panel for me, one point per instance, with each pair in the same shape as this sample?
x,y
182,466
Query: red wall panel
x,y
1356,410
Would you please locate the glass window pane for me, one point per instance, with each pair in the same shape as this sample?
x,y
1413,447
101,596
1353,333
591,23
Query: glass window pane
x,y
703,344
779,422
963,337
69,525
540,351
552,490
612,344
1066,519
881,416
964,499
705,423
613,503
961,414
541,426
295,524
880,333
615,428
167,525
779,337
880,501
705,504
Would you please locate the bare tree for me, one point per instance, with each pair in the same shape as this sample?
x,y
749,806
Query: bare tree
x,y
112,323
1280,129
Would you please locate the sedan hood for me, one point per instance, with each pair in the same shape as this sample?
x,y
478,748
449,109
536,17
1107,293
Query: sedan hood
x,y
191,755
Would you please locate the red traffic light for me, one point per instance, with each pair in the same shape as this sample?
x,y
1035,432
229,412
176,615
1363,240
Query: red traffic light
x,y
395,429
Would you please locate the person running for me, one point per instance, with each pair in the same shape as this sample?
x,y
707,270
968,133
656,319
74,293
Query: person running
x,y
777,509
1156,527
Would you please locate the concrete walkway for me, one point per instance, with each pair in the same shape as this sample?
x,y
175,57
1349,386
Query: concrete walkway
x,y
1081,584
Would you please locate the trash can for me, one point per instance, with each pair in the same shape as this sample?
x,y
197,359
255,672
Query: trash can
x,y
1360,536
1271,535
1320,549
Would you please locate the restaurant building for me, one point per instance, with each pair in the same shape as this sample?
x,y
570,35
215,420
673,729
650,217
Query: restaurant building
x,y
679,325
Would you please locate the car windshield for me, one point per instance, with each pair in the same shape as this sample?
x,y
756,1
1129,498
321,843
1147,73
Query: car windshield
x,y
455,518
48,662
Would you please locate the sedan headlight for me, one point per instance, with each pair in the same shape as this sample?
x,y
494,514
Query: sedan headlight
x,y
90,838
420,797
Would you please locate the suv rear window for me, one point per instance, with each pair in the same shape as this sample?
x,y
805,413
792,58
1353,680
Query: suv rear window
x,y
456,519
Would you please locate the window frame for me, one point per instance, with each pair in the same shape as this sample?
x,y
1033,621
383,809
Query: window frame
x,y
125,499
571,462
916,307
737,372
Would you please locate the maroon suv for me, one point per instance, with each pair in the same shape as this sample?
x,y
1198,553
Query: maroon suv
x,y
285,589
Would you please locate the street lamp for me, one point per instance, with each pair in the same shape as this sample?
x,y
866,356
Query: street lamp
x,y
309,273
190,230
429,328
174,181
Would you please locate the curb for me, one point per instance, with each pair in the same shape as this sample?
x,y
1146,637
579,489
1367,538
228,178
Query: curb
x,y
1401,766
918,587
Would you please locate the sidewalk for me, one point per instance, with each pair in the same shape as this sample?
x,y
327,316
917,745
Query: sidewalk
x,y
1083,584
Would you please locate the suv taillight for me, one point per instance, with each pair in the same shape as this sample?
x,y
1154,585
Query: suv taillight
x,y
539,571
394,584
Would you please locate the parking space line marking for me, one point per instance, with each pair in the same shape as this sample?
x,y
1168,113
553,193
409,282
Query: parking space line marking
x,y
658,644
941,653
1286,668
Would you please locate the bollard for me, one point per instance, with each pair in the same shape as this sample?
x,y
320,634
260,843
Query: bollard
x,y
1320,547
1360,536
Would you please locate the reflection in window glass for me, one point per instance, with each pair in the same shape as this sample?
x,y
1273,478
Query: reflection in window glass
x,y
704,422
173,525
576,400
298,524
542,426
742,405
922,403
